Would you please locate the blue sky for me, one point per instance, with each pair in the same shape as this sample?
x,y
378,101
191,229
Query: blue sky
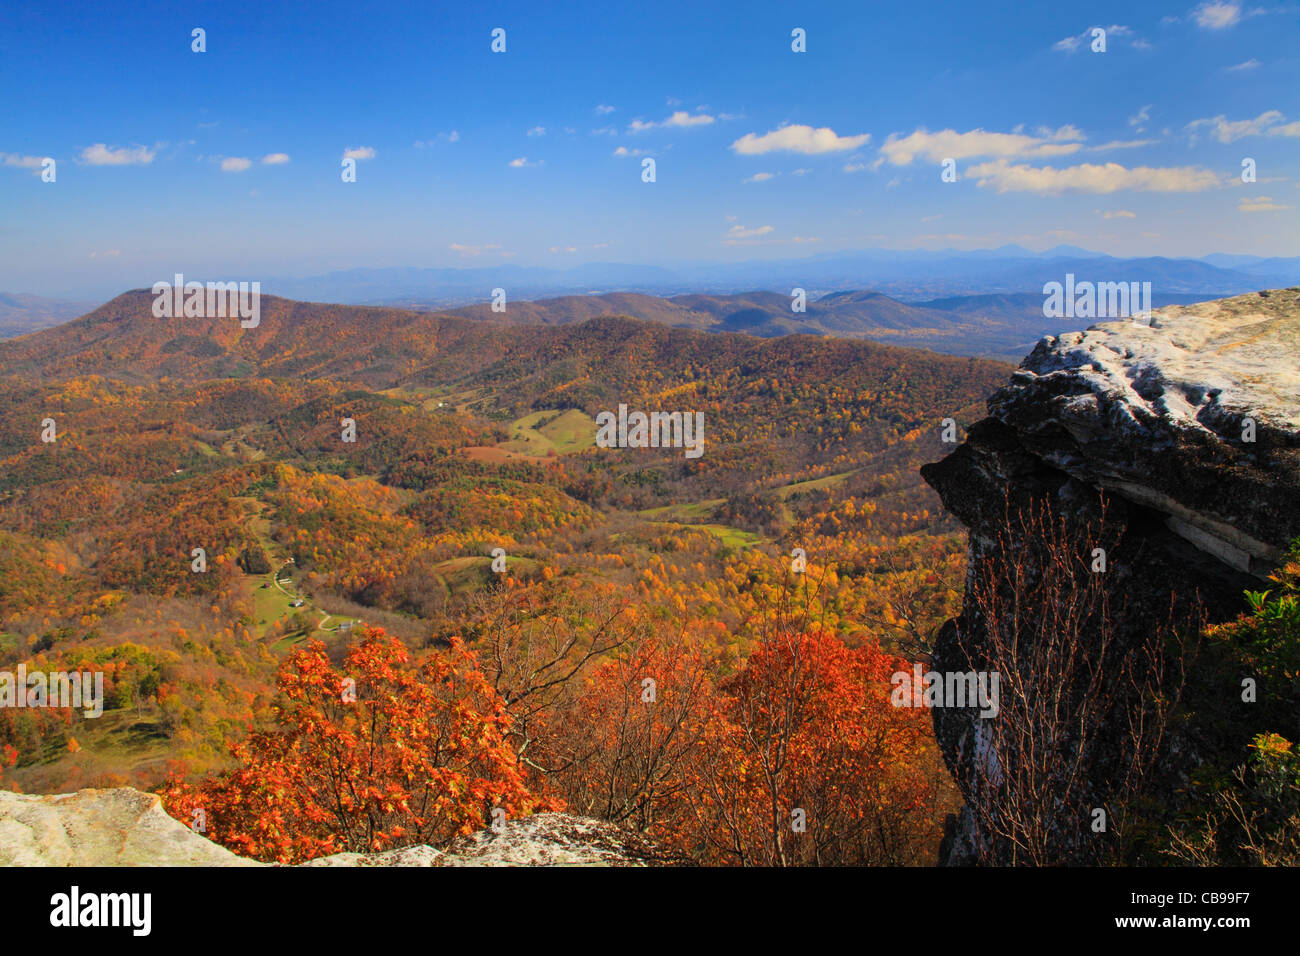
x,y
227,163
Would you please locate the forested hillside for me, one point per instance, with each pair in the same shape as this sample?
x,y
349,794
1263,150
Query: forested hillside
x,y
172,435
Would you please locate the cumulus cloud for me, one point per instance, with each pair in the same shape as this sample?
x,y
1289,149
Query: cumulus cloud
x,y
950,144
1090,178
469,251
602,109
235,164
798,139
452,137
1122,144
1216,15
23,162
680,119
624,151
359,152
101,155
739,233
758,178
1259,204
275,159
1071,44
1118,214
537,131
1226,131
523,162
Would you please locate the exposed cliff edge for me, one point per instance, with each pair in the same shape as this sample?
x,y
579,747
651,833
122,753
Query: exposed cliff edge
x,y
1185,431
125,827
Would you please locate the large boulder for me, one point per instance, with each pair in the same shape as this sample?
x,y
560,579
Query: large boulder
x,y
1183,429
125,827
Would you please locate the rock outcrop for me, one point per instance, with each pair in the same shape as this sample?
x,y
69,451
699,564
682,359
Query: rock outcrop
x,y
1183,429
125,827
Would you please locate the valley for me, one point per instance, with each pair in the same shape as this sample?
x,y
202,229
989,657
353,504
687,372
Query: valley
x,y
471,436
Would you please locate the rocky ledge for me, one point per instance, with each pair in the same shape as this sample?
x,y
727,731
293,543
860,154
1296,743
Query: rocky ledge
x,y
1184,429
125,827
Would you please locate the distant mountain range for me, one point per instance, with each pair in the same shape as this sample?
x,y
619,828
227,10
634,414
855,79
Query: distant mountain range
x,y
910,276
20,314
984,302
1001,326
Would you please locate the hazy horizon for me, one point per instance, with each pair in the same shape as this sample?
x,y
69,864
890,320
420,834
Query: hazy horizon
x,y
172,160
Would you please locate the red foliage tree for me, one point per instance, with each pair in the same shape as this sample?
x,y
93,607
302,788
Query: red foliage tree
x,y
417,757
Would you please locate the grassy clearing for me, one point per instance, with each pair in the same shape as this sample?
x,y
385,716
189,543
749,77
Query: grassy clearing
x,y
464,575
551,430
729,537
687,513
830,481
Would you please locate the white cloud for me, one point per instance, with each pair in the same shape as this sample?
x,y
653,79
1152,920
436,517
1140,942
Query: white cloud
x,y
1139,119
948,143
359,152
1071,44
452,137
1118,214
1290,129
679,118
470,251
107,254
1216,15
1122,144
602,109
800,172
537,131
235,164
1245,65
855,167
1259,204
798,139
1226,131
740,233
275,159
624,151
682,118
101,155
522,162
23,162
758,178
1090,178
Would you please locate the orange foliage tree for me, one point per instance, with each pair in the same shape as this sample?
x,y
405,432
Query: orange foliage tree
x,y
419,756
812,764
